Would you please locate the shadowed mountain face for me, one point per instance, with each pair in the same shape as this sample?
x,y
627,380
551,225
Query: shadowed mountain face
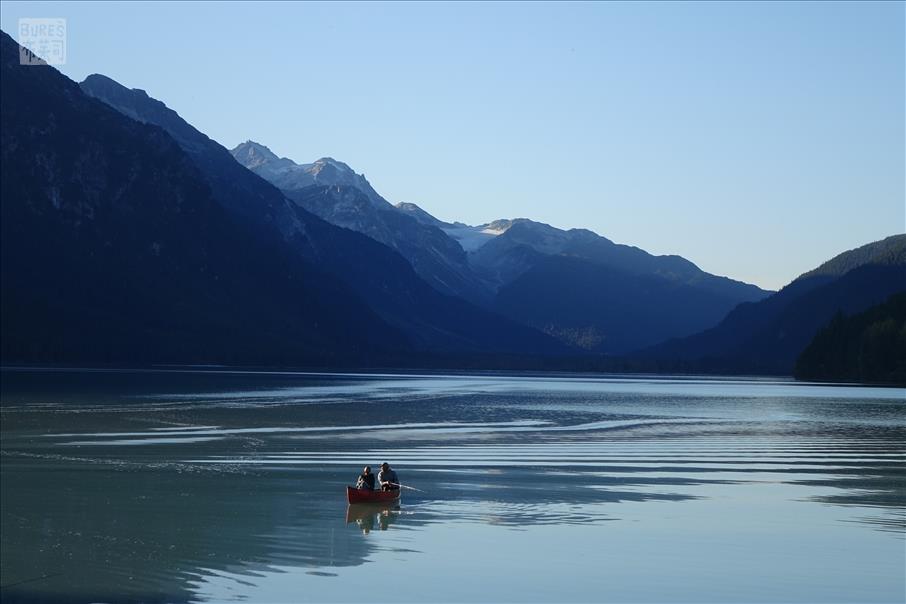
x,y
605,309
115,248
769,335
241,193
598,295
866,347
334,192
430,320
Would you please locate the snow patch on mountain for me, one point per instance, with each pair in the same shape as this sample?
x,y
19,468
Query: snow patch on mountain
x,y
473,237
493,230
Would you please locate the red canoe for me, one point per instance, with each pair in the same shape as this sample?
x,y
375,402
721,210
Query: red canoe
x,y
354,495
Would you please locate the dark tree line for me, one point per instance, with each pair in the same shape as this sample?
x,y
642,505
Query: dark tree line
x,y
865,347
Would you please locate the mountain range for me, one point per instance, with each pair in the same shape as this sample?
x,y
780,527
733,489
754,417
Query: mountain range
x,y
379,275
130,236
586,291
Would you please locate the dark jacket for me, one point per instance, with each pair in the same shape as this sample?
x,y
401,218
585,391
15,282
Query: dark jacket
x,y
365,481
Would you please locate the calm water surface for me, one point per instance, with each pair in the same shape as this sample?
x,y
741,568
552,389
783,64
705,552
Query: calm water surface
x,y
191,486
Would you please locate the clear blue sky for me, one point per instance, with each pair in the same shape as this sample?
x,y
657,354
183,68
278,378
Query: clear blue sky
x,y
755,139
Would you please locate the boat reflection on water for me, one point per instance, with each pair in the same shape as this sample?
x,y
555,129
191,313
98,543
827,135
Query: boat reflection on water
x,y
369,515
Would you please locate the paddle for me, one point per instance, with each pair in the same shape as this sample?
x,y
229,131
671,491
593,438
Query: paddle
x,y
402,486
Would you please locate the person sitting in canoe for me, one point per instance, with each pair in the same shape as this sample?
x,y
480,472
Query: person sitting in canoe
x,y
388,478
366,480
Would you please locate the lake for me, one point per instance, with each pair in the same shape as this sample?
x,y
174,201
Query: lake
x,y
201,485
